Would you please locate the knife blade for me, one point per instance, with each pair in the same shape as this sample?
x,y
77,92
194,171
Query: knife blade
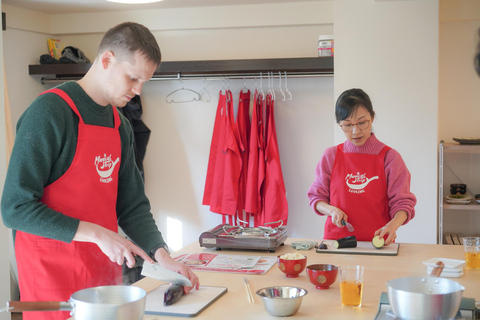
x,y
348,225
155,271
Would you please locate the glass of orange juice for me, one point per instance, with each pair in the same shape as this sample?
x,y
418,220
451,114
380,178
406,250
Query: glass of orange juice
x,y
472,252
351,285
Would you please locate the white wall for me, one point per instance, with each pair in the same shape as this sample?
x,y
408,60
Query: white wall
x,y
390,49
178,151
458,100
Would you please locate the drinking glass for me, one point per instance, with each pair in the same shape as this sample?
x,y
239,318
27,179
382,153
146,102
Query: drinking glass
x,y
351,285
472,252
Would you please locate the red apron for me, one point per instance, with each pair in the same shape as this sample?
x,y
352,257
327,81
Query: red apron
x,y
358,186
53,270
217,140
256,160
243,127
225,174
275,206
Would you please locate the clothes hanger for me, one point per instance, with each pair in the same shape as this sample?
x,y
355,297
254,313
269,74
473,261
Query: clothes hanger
x,y
284,97
262,94
290,97
245,89
272,90
204,94
228,93
222,91
177,96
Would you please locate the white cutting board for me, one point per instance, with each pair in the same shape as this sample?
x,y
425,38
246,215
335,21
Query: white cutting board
x,y
363,247
189,305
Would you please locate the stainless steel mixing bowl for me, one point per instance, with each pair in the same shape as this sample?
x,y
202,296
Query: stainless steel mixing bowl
x,y
282,301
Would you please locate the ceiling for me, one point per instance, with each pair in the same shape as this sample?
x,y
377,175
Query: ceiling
x,y
76,6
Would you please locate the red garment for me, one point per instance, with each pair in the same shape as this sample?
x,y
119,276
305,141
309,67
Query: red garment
x,y
243,127
256,161
224,175
217,140
53,270
275,206
358,186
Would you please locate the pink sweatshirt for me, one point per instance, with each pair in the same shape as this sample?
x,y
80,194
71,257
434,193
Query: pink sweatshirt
x,y
396,172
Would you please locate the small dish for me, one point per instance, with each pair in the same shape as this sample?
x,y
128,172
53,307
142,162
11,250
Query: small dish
x,y
467,141
449,263
458,202
458,199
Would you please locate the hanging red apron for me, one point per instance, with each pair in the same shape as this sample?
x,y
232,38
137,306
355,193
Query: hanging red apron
x,y
358,186
275,206
53,270
256,161
228,166
218,136
243,128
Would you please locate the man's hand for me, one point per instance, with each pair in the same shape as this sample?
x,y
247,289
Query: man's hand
x,y
164,259
117,248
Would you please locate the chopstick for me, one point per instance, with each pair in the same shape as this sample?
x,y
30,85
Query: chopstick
x,y
249,291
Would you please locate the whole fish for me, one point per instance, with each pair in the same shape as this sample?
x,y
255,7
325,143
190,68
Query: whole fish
x,y
172,294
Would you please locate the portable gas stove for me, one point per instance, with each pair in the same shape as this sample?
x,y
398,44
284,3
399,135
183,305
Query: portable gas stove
x,y
225,236
468,310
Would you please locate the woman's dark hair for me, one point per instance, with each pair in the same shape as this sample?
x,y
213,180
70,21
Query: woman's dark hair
x,y
349,101
125,39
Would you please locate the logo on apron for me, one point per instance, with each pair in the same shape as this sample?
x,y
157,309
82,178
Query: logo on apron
x,y
358,182
105,167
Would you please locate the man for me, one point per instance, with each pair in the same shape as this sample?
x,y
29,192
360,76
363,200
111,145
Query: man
x,y
72,179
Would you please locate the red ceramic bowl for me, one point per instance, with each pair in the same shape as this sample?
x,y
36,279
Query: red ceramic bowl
x,y
322,275
291,268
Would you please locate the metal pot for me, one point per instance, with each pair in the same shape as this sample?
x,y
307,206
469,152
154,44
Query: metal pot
x,y
98,303
425,298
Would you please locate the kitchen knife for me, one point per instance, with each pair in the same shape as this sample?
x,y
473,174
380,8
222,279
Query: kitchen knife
x,y
348,225
155,271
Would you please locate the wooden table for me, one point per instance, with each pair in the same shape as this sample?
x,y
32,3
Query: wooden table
x,y
323,304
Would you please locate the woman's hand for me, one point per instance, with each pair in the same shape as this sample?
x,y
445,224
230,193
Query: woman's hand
x,y
117,248
391,227
389,230
164,259
335,213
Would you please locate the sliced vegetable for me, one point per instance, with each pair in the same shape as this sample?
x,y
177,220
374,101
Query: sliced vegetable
x,y
378,242
347,242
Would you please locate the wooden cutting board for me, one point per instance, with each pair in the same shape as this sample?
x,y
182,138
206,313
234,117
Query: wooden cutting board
x,y
363,247
189,305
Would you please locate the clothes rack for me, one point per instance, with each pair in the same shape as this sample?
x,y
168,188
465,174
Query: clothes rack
x,y
217,77
208,69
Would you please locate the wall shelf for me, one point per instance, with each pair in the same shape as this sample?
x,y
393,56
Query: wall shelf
x,y
319,66
457,163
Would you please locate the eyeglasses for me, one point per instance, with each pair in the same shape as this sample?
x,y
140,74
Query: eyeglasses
x,y
361,125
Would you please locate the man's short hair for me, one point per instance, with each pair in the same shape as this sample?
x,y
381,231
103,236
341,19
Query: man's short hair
x,y
127,38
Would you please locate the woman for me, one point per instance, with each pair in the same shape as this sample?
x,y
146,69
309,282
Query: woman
x,y
361,181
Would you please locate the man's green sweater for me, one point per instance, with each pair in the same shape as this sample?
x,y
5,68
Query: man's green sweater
x,y
44,149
